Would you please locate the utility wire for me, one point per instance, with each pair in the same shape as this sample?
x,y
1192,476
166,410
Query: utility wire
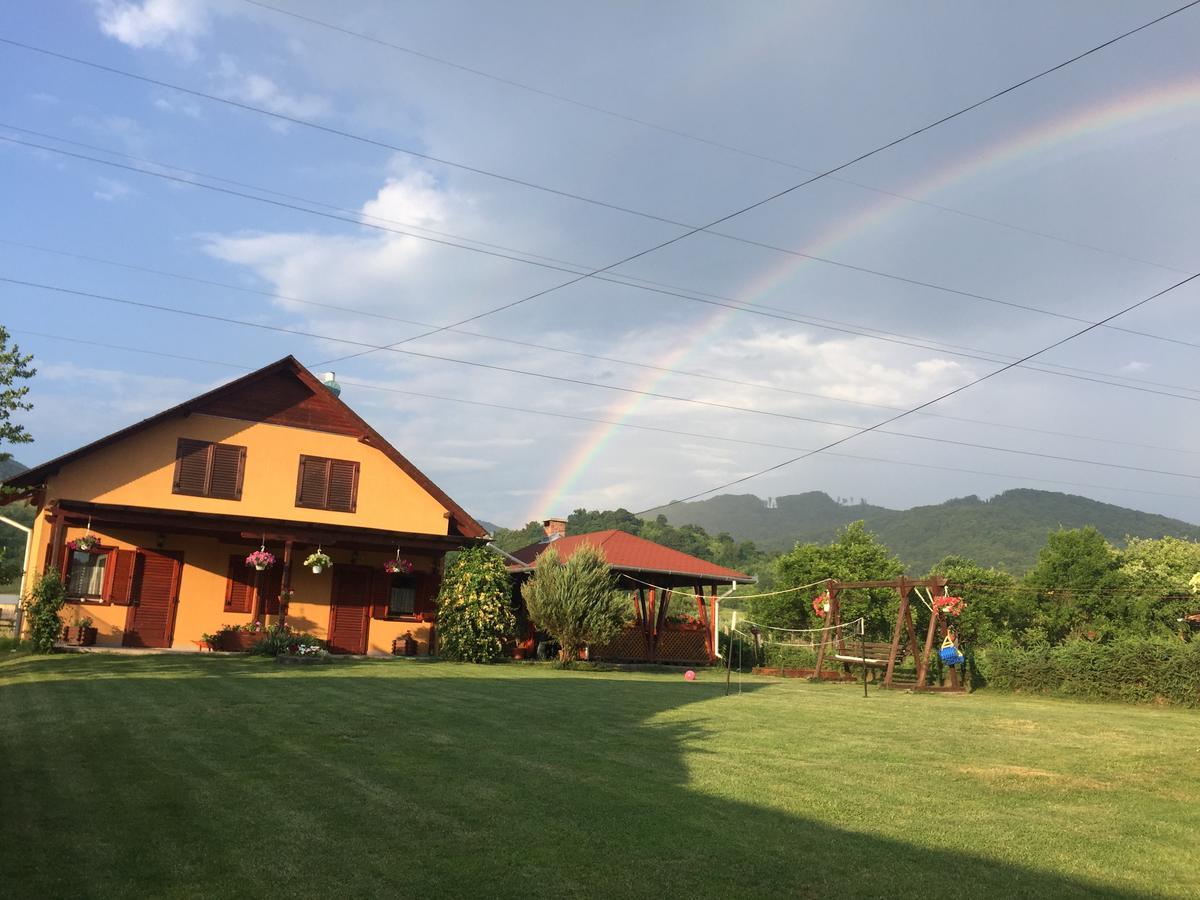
x,y
508,408
720,145
582,354
879,425
527,256
639,284
630,258
562,379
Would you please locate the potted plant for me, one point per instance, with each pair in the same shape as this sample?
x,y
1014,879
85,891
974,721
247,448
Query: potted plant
x,y
240,638
85,544
398,566
81,634
262,559
318,562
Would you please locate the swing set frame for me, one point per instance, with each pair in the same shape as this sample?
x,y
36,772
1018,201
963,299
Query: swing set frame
x,y
833,639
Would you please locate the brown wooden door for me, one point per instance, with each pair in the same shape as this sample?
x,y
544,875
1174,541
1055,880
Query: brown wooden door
x,y
351,612
151,620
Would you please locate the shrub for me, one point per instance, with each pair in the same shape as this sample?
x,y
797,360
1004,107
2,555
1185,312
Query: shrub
x,y
576,602
284,642
1133,670
475,616
790,656
42,606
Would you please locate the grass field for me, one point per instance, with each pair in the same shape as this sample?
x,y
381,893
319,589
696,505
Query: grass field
x,y
189,775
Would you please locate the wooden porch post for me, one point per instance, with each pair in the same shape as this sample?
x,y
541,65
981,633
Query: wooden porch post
x,y
285,582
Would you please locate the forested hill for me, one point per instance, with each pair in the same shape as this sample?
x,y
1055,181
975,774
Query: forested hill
x,y
1007,531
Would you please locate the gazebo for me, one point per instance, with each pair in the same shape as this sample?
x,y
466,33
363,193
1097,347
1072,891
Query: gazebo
x,y
673,595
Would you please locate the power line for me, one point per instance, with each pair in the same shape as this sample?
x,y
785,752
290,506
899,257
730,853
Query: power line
x,y
639,284
627,425
562,379
696,138
630,258
878,426
578,353
526,256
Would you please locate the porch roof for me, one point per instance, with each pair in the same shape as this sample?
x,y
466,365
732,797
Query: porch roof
x,y
236,528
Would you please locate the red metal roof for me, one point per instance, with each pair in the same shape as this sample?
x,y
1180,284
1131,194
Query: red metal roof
x,y
632,553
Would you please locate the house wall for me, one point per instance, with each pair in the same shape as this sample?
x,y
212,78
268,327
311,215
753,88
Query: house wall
x,y
201,605
139,471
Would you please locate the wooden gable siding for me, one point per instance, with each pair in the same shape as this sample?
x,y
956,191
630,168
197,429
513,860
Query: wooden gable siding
x,y
280,399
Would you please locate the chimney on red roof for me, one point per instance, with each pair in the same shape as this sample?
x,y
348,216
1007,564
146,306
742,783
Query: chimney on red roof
x,y
554,528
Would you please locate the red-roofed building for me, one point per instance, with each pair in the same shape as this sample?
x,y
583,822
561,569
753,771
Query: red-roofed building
x,y
673,594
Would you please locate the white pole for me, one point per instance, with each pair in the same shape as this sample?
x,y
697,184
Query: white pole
x,y
24,571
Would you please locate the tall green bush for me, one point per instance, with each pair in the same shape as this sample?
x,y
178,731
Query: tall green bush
x,y
576,601
42,605
1133,670
475,615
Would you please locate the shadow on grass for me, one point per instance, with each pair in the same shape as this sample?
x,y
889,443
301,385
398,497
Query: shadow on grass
x,y
182,776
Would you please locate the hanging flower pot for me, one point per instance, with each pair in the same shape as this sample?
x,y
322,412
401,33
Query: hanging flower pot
x,y
85,544
951,606
318,562
398,566
820,605
261,559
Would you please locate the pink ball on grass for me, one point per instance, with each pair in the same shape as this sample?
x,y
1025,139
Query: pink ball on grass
x,y
689,675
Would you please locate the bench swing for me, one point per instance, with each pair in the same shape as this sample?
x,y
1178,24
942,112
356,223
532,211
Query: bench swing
x,y
886,657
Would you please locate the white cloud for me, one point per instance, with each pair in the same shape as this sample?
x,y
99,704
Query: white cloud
x,y
260,90
109,189
172,24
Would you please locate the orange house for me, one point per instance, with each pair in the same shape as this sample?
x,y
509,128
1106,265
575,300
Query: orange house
x,y
170,508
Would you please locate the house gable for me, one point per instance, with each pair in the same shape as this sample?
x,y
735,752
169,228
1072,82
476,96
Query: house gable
x,y
278,413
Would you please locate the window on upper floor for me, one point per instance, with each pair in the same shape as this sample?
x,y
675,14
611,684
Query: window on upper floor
x,y
208,469
324,483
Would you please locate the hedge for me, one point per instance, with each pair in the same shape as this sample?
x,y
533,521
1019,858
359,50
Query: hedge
x,y
1133,670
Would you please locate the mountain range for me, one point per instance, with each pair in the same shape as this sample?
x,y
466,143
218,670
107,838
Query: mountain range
x,y
1006,531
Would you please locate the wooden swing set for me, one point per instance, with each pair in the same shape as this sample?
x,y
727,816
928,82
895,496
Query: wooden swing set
x,y
904,638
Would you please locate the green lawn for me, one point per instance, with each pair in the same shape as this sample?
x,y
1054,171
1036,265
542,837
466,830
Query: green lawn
x,y
192,776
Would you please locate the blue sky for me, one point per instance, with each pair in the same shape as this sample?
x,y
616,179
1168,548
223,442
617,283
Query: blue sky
x,y
1099,158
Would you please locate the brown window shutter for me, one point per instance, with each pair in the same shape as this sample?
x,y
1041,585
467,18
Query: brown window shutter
x,y
191,467
270,585
226,472
122,564
343,485
312,482
239,586
381,589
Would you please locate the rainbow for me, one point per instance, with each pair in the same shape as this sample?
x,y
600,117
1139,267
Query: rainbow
x,y
1125,111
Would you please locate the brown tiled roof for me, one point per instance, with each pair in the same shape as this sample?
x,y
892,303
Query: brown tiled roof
x,y
629,552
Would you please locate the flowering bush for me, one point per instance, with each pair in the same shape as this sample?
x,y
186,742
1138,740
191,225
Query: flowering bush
x,y
820,605
261,559
951,606
475,616
318,559
401,566
283,641
86,543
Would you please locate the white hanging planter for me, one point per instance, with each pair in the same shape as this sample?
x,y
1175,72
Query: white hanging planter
x,y
317,570
262,567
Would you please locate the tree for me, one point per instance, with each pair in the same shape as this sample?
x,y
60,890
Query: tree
x,y
855,555
510,539
14,369
42,605
1077,586
1158,573
575,601
475,616
992,604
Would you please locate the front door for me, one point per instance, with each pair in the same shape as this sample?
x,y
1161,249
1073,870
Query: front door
x,y
151,618
351,612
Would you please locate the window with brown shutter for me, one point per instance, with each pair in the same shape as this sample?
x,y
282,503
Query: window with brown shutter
x,y
207,469
239,586
324,483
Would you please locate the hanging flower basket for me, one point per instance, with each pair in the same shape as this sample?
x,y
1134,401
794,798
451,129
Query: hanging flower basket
x,y
398,567
85,544
951,606
820,606
318,562
261,560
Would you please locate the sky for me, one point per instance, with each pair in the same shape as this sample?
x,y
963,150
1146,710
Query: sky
x,y
445,160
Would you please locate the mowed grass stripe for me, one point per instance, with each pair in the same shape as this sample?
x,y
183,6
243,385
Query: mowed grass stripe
x,y
239,777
